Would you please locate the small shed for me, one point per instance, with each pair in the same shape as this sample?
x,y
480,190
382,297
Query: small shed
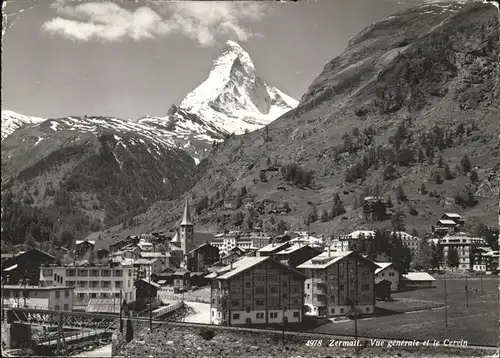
x,y
417,280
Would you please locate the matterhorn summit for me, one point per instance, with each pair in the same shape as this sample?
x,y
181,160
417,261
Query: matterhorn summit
x,y
233,97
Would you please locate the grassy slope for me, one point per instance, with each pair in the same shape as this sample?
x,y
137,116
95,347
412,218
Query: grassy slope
x,y
435,69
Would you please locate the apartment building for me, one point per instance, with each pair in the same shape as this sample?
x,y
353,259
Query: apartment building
x,y
464,244
409,241
225,242
256,290
91,281
387,271
335,280
356,235
41,297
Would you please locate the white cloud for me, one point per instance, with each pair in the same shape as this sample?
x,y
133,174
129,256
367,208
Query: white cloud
x,y
204,22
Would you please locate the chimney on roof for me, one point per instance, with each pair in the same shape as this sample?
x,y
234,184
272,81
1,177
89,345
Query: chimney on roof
x,y
329,250
231,265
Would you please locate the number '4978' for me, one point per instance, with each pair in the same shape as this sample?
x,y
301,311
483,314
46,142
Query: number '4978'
x,y
314,343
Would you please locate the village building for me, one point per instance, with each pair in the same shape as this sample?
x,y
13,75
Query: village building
x,y
144,268
272,249
257,290
484,259
383,290
387,271
25,267
458,219
225,242
296,255
409,241
464,244
417,280
146,290
102,254
444,226
84,249
202,257
374,208
181,280
39,297
91,281
184,237
358,234
305,238
339,245
339,283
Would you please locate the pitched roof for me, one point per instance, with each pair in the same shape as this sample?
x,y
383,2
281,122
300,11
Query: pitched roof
x,y
294,248
325,260
186,219
418,276
272,247
450,222
247,262
154,284
453,215
382,266
79,242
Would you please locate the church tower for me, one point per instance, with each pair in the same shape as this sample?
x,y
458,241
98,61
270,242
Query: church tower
x,y
186,231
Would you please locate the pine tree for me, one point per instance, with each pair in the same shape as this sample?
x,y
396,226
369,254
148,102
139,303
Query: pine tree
x,y
448,175
452,259
325,216
473,176
400,194
465,163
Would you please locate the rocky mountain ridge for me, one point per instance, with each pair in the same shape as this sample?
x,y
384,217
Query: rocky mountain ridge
x,y
394,114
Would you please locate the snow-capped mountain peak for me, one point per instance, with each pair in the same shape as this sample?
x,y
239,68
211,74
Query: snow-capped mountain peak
x,y
12,121
234,97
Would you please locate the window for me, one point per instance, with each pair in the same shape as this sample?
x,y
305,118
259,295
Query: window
x,y
66,294
391,273
66,307
259,302
81,295
296,314
259,290
308,286
341,310
247,284
333,310
118,284
213,301
365,287
117,294
341,287
235,303
236,316
274,289
56,307
367,309
285,295
47,272
273,314
58,294
248,309
93,295
285,284
260,315
118,273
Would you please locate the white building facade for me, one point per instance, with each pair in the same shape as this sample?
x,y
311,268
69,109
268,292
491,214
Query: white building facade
x,y
92,281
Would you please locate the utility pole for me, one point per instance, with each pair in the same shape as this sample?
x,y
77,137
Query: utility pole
x,y
481,284
283,331
355,303
445,304
121,314
466,292
150,307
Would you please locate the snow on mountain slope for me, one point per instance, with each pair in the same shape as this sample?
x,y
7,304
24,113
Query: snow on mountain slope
x,y
12,121
234,97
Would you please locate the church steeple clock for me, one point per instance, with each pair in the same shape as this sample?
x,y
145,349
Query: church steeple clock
x,y
186,231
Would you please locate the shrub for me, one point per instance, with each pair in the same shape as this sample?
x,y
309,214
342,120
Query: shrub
x,y
206,333
413,211
473,176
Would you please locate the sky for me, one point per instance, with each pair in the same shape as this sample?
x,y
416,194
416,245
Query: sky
x,y
129,58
